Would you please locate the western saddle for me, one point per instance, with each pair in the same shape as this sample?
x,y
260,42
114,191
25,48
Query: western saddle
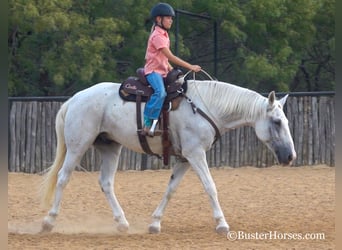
x,y
137,89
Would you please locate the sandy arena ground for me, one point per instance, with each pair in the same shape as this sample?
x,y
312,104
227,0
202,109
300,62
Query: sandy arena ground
x,y
289,202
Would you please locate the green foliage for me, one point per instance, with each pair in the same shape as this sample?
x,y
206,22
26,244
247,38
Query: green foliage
x,y
60,47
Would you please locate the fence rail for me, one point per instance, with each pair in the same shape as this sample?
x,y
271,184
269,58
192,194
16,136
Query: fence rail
x,y
32,139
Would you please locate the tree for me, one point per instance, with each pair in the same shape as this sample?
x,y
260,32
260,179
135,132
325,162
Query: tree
x,y
317,67
60,47
262,44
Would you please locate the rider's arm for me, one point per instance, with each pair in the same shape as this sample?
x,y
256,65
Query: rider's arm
x,y
176,60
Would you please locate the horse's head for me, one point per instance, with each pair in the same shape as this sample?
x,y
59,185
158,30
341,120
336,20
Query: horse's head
x,y
274,131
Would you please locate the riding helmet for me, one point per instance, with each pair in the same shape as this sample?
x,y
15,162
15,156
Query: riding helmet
x,y
162,9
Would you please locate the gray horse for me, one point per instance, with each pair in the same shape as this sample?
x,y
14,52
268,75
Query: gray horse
x,y
100,110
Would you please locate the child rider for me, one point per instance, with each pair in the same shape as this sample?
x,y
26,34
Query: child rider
x,y
158,55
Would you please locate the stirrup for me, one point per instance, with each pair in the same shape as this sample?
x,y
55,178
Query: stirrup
x,y
153,128
151,131
147,132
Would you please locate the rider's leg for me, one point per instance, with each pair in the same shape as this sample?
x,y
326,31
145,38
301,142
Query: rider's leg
x,y
155,104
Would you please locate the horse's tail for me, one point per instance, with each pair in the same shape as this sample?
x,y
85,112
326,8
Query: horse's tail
x,y
50,180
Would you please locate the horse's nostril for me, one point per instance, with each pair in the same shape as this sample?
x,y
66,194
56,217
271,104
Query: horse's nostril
x,y
290,158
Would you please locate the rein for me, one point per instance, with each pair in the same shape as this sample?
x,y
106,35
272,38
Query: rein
x,y
201,112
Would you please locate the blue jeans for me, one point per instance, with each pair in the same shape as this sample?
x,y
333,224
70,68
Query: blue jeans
x,y
155,103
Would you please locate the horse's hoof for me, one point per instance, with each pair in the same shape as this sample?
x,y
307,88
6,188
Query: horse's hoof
x,y
123,228
154,229
222,229
46,227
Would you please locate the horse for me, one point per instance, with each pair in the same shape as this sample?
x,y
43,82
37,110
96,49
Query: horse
x,y
98,117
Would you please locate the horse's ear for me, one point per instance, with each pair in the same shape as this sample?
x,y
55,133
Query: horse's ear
x,y
283,100
271,98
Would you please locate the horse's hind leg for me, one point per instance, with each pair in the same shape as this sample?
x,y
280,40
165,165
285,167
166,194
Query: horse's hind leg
x,y
110,158
70,162
177,174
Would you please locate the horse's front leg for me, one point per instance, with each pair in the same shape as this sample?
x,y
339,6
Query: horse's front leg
x,y
177,175
197,159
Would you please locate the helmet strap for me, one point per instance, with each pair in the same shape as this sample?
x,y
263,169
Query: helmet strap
x,y
161,25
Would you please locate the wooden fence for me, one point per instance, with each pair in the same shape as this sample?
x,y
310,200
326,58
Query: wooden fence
x,y
32,139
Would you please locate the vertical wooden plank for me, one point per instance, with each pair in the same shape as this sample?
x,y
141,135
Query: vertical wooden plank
x,y
315,131
322,136
237,148
92,160
91,166
48,135
137,161
242,146
120,162
249,136
265,151
55,108
209,156
128,165
38,145
225,153
228,150
292,109
33,137
27,137
45,163
253,150
333,131
12,136
17,135
123,159
309,126
148,163
217,151
296,129
258,152
84,160
248,147
129,154
327,132
221,153
305,130
22,138
132,159
299,130
231,148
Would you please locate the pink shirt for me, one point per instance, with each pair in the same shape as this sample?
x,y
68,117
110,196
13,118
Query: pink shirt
x,y
156,61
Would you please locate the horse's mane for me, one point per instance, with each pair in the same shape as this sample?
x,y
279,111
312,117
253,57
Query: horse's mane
x,y
230,99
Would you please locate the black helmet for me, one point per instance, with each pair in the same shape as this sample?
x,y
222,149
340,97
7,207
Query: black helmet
x,y
162,9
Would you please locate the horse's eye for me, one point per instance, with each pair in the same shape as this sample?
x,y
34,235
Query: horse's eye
x,y
277,122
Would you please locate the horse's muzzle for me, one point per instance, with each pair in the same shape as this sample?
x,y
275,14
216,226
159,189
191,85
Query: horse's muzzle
x,y
285,157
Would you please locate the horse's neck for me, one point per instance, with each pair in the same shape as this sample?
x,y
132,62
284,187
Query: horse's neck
x,y
229,105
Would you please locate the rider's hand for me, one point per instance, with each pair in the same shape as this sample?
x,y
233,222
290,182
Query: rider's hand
x,y
195,68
